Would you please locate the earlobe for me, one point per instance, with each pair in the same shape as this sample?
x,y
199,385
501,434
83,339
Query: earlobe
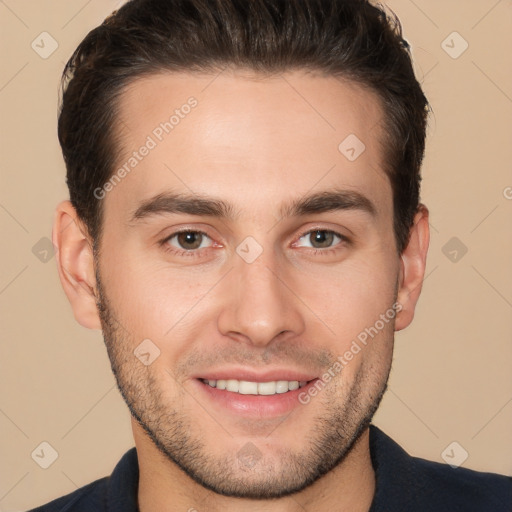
x,y
412,268
75,264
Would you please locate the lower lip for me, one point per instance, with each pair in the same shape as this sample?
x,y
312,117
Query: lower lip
x,y
255,405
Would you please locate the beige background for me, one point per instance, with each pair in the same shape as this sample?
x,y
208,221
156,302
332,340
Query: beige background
x,y
451,379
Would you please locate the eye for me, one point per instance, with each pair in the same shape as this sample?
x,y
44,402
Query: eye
x,y
188,240
322,238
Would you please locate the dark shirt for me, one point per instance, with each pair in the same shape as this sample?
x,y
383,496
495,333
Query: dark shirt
x,y
403,483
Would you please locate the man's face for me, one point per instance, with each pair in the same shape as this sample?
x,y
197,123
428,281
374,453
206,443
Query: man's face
x,y
260,296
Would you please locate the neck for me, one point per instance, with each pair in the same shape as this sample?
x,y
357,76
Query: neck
x,y
164,486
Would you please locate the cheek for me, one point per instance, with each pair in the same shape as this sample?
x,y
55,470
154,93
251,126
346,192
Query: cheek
x,y
162,304
350,297
367,356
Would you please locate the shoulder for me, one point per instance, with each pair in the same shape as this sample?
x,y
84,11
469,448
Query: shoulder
x,y
461,489
404,482
115,492
89,497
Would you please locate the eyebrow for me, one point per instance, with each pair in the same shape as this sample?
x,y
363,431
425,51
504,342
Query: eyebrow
x,y
318,202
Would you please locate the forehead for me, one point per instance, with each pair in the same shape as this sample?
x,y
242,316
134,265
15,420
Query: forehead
x,y
239,135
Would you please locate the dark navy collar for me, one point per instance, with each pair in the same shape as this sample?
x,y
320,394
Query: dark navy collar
x,y
396,475
123,484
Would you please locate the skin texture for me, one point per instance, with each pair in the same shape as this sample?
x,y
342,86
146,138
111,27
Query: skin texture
x,y
258,143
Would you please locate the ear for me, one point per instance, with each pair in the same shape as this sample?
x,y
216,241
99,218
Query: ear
x,y
412,268
75,264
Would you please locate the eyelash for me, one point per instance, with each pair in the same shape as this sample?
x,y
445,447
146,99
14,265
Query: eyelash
x,y
328,250
181,252
195,252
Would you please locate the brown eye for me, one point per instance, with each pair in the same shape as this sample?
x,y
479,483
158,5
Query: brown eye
x,y
188,240
322,238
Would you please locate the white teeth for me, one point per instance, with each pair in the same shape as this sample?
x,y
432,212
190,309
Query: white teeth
x,y
245,387
281,386
232,385
266,388
248,388
293,385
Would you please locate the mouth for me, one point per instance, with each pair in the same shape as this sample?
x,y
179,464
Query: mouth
x,y
245,387
254,399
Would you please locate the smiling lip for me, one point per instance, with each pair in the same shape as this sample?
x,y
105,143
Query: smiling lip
x,y
252,405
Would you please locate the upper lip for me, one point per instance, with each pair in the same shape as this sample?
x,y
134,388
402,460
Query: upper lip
x,y
252,375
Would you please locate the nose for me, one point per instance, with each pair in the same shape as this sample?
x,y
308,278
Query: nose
x,y
260,304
